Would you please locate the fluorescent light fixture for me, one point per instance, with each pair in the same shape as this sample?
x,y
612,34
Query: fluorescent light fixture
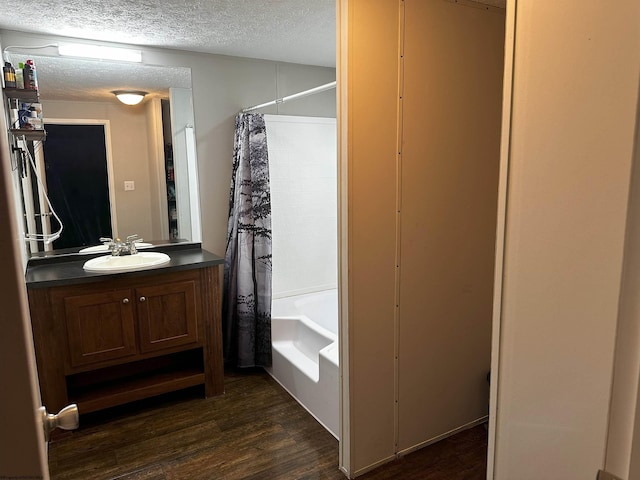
x,y
129,97
86,50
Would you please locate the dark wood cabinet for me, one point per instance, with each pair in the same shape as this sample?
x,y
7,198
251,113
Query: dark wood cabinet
x,y
100,326
122,339
167,315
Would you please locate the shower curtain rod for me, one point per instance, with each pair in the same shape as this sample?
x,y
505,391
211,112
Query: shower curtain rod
x,y
311,91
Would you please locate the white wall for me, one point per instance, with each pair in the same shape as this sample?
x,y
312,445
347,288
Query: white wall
x,y
303,176
573,121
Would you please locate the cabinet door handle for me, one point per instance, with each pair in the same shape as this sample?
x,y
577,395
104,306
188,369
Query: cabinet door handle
x,y
142,299
125,300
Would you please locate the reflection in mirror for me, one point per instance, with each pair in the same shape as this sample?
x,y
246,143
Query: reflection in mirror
x,y
139,158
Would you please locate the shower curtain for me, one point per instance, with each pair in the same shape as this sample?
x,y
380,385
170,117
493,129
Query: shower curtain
x,y
246,317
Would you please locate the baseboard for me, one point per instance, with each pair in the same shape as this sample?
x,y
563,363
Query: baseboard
x,y
373,466
420,445
466,426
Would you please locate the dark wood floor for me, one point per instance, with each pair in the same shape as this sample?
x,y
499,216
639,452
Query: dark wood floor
x,y
254,431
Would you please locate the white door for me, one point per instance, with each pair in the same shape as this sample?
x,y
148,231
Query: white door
x,y
22,444
23,452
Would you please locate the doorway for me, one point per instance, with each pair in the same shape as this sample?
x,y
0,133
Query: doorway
x,y
77,167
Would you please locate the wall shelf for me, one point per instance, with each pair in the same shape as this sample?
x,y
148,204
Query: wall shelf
x,y
32,135
22,94
25,96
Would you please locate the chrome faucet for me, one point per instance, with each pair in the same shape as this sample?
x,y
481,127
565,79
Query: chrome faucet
x,y
119,248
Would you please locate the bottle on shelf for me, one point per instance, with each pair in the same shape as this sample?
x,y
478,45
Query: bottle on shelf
x,y
29,79
13,114
34,73
24,117
35,117
9,75
20,76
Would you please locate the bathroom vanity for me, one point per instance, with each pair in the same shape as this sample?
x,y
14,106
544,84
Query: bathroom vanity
x,y
106,339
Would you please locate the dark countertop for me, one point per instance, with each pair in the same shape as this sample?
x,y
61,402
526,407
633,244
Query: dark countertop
x,y
67,270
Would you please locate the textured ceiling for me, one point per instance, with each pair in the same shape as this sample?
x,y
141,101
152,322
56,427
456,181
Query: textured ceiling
x,y
74,79
298,31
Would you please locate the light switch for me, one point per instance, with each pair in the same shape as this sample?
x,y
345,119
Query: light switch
x,y
129,185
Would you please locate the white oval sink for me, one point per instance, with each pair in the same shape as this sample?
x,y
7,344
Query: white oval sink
x,y
126,263
105,248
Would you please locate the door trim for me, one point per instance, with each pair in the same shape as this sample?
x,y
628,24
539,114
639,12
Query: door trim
x,y
503,184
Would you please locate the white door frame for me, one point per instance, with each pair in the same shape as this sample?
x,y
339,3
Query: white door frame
x,y
507,92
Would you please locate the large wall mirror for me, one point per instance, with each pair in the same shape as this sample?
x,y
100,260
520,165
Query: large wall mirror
x,y
112,169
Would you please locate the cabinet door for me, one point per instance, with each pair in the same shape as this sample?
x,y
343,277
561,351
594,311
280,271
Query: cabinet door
x,y
100,326
167,315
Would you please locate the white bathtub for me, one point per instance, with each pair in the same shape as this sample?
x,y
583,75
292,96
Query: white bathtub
x,y
305,352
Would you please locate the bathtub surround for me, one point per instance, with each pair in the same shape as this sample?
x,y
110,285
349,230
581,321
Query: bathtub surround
x,y
302,166
305,353
246,320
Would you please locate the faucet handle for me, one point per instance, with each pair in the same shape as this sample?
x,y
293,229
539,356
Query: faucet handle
x,y
133,238
110,243
131,241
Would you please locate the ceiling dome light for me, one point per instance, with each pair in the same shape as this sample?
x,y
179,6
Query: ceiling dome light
x,y
128,97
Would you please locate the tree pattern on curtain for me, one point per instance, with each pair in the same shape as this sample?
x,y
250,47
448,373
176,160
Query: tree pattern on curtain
x,y
246,318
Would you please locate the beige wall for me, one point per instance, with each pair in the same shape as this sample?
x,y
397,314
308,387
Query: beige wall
x,y
625,398
573,117
423,143
131,158
372,62
453,66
